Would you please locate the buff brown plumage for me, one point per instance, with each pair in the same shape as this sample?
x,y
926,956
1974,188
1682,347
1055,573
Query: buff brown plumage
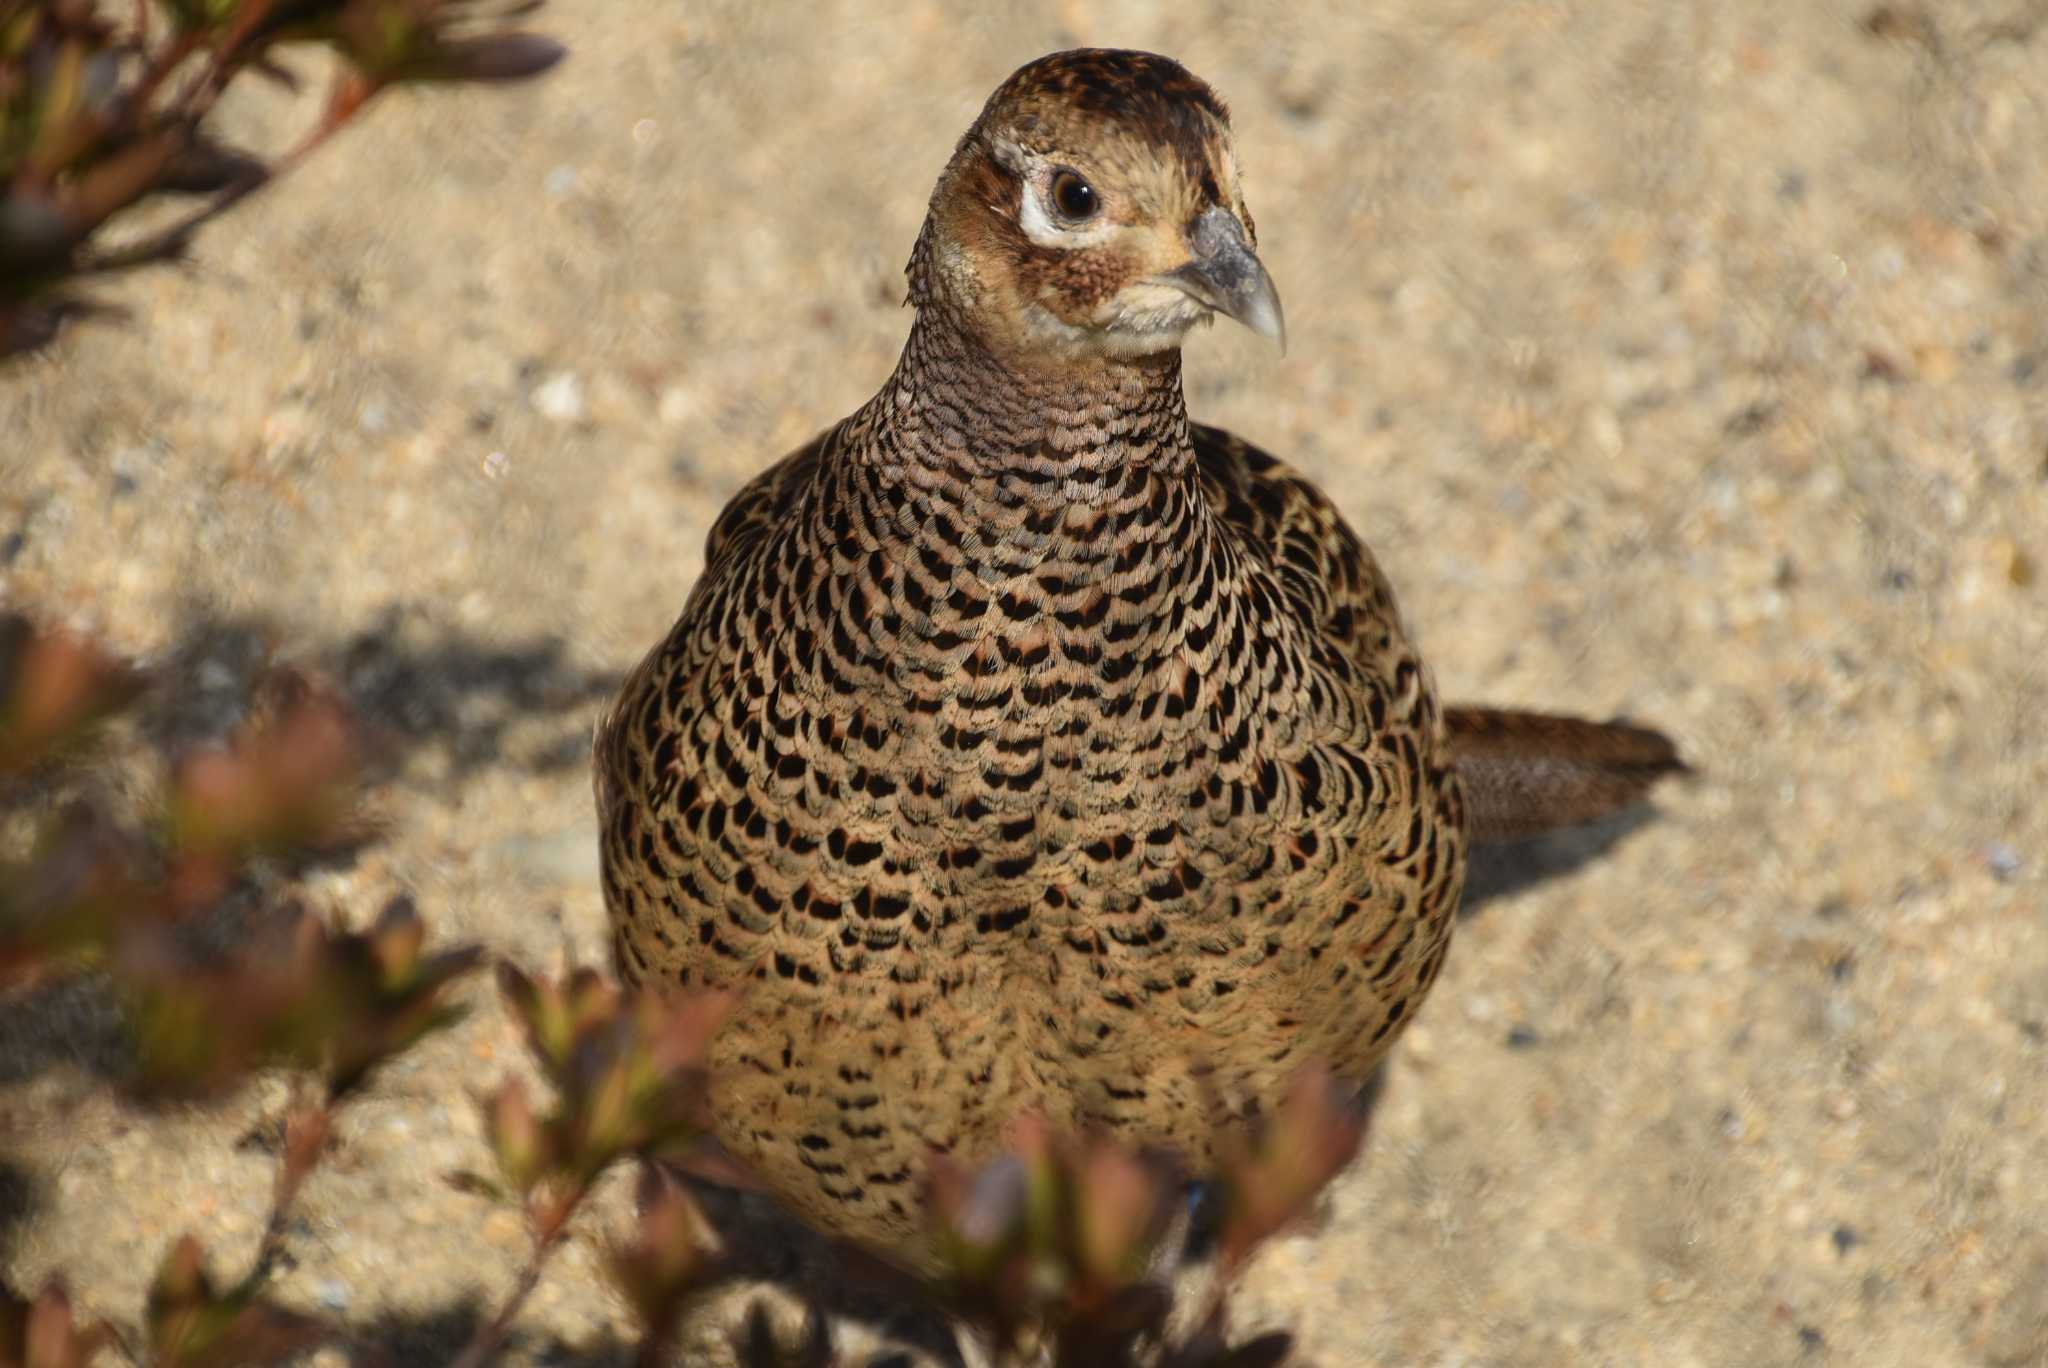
x,y
1025,746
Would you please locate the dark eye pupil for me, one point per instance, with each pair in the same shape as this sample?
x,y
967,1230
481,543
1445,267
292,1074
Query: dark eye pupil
x,y
1075,197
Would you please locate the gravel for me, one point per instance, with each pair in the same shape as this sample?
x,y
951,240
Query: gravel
x,y
1683,362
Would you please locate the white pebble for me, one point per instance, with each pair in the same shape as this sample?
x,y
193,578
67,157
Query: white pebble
x,y
560,397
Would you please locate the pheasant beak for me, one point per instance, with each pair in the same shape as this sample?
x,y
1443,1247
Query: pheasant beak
x,y
1226,275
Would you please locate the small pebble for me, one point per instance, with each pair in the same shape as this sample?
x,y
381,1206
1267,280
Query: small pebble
x,y
560,397
129,465
332,1295
2002,860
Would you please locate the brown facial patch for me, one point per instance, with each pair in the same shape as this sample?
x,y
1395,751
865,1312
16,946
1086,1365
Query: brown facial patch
x,y
1074,283
1070,282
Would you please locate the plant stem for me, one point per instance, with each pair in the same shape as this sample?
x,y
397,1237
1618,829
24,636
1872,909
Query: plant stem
x,y
488,1340
307,1127
655,1348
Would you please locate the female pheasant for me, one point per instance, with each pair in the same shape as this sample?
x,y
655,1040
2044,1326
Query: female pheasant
x,y
1026,747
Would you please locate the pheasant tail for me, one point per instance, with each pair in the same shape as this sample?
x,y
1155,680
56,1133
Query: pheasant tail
x,y
1527,773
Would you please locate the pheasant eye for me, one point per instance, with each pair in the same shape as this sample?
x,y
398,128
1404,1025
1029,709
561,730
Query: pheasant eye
x,y
1075,197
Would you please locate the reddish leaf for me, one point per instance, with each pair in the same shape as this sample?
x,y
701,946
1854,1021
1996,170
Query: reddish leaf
x,y
672,1251
53,685
42,1333
1274,1180
193,1324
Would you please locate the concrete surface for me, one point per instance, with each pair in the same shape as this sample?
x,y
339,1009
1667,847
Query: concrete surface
x,y
1686,360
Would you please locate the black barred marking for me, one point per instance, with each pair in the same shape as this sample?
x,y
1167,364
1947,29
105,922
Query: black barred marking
x,y
1023,743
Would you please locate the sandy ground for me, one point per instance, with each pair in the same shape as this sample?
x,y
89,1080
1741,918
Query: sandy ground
x,y
1681,360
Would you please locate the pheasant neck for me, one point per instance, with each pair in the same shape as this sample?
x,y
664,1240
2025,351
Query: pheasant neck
x,y
957,414
1067,498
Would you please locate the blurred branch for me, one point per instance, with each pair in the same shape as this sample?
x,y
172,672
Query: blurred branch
x,y
87,131
672,1254
630,1072
1053,1252
1054,1249
191,1322
330,1004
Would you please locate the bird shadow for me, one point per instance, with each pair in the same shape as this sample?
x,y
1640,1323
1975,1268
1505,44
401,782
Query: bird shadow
x,y
439,1334
423,685
75,1020
767,1247
20,1200
1493,872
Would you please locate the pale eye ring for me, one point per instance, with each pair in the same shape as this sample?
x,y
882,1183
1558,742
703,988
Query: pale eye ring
x,y
1074,197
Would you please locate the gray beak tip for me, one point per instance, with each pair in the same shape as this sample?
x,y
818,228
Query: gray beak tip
x,y
1227,276
1265,317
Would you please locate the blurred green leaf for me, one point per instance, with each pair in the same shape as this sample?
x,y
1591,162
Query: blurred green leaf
x,y
671,1253
194,1324
629,1072
305,997
1273,1180
281,784
1055,1235
80,884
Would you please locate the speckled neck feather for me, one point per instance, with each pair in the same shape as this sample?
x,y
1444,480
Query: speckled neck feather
x,y
1068,433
